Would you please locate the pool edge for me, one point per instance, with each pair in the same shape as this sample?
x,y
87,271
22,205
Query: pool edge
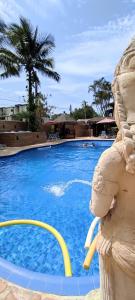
x,y
12,151
39,282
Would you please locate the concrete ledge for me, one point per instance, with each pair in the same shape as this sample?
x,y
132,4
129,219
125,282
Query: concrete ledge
x,y
59,285
10,291
9,151
94,295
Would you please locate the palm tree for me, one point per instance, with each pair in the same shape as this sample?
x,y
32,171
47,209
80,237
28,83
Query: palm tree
x,y
102,94
6,63
26,50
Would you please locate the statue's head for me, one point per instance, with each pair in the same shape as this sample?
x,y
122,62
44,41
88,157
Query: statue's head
x,y
124,94
124,88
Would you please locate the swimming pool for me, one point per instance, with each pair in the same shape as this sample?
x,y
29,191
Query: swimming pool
x,y
53,185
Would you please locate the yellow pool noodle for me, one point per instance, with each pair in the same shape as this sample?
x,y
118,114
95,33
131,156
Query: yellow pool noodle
x,y
90,254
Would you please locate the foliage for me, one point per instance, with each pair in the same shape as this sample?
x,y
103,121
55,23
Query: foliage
x,y
43,110
102,94
54,116
3,28
70,109
26,50
110,109
84,112
22,115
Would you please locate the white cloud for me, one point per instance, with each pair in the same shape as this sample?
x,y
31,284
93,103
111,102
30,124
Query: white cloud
x,y
10,9
96,51
96,68
12,80
67,86
85,56
80,3
121,25
20,93
44,7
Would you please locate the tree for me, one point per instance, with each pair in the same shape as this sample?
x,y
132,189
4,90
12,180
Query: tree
x,y
40,102
43,109
110,109
22,115
26,50
85,111
70,109
54,116
102,94
84,106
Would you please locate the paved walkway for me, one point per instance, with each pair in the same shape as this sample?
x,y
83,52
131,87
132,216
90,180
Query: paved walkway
x,y
7,151
9,291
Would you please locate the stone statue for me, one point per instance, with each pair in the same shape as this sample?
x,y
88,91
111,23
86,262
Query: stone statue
x,y
113,191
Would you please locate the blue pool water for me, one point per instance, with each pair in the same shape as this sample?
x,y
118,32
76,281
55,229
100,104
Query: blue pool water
x,y
52,185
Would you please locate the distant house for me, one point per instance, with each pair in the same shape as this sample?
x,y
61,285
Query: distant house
x,y
64,125
99,124
7,113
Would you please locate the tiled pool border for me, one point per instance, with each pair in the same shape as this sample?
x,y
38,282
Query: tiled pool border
x,y
12,151
59,285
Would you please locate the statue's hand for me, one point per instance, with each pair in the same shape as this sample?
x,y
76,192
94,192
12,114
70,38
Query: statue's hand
x,y
125,130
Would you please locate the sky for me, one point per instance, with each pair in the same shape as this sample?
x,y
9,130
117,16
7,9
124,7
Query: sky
x,y
90,37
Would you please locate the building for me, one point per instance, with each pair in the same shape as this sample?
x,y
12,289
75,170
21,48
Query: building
x,y
63,125
7,113
97,125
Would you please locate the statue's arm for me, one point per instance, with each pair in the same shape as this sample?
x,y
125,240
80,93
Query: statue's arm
x,y
105,185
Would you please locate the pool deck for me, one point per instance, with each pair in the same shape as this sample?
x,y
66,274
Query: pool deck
x,y
9,151
10,291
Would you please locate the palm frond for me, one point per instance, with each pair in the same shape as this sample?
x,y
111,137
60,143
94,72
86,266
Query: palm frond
x,y
35,35
44,63
45,52
10,70
8,54
45,43
21,35
3,26
26,26
49,73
